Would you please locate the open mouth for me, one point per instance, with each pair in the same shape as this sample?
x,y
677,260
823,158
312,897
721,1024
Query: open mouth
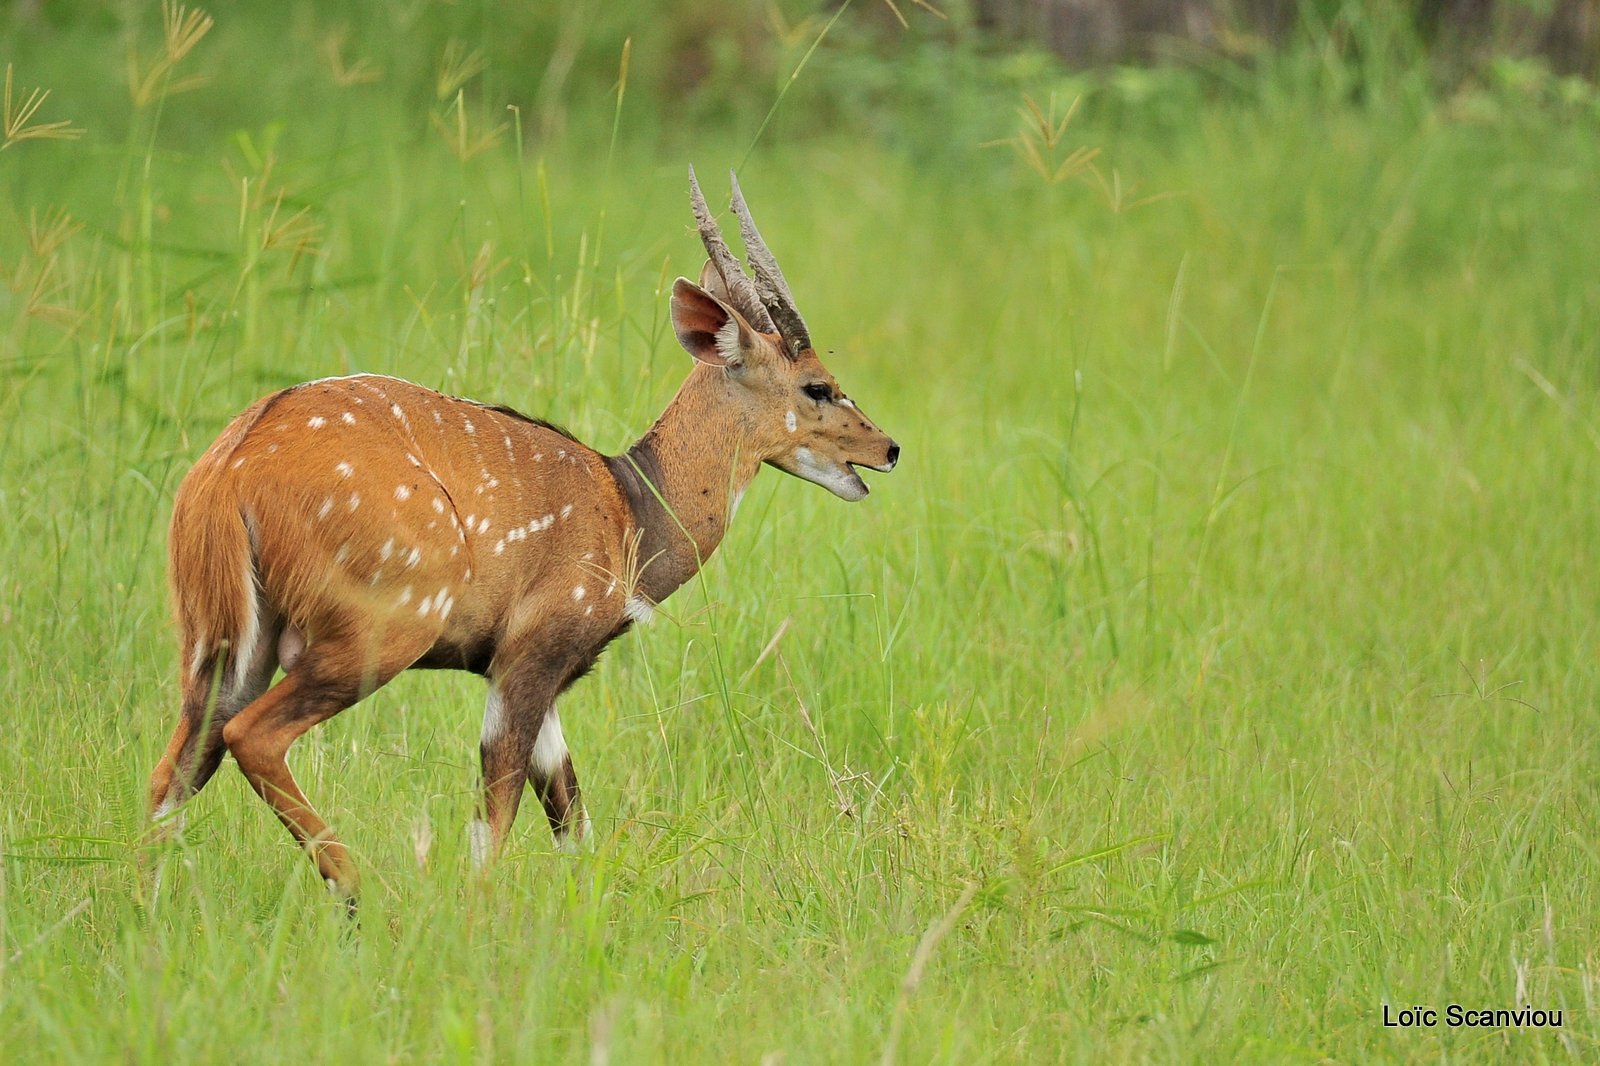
x,y
850,468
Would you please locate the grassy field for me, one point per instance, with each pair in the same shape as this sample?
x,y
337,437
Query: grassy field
x,y
1218,667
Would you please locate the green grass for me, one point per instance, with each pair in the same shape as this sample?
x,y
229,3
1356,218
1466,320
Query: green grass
x,y
1226,639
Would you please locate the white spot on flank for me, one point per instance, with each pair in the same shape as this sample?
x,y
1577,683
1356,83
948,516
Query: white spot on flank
x,y
347,418
588,610
500,546
413,460
345,469
237,463
387,550
550,749
425,606
446,602
472,520
394,409
566,512
405,597
480,840
638,609
343,554
316,422
438,505
466,424
789,422
355,500
579,593
483,525
538,457
401,492
414,558
326,508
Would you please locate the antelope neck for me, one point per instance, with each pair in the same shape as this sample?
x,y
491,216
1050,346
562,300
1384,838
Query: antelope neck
x,y
681,481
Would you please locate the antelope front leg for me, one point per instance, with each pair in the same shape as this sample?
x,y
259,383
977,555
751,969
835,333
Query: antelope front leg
x,y
522,742
503,752
556,784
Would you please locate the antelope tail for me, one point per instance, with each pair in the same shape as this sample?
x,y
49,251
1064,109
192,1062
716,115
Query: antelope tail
x,y
210,564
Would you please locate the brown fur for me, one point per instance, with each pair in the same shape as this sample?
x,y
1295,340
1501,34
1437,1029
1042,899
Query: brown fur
x,y
379,525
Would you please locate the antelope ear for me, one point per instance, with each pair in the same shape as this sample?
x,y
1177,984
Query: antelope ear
x,y
711,281
708,328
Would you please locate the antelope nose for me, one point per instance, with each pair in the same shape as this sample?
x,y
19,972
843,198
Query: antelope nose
x,y
894,455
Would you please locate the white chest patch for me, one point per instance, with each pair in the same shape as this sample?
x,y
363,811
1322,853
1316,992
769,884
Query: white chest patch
x,y
638,609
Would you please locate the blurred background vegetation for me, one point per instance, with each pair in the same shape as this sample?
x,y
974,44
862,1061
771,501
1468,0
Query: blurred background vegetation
x,y
919,72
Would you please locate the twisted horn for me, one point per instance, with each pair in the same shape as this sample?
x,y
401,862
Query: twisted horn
x,y
770,286
743,292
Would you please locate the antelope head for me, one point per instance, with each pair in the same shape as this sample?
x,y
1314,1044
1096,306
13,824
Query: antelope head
x,y
791,411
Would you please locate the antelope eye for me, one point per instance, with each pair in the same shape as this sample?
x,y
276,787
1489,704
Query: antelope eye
x,y
818,391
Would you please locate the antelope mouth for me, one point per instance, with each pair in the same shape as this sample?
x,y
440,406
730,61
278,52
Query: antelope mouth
x,y
855,481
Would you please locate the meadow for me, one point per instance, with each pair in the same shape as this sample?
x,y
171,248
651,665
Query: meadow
x,y
1218,667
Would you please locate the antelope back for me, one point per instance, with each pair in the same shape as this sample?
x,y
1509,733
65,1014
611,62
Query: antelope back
x,y
369,499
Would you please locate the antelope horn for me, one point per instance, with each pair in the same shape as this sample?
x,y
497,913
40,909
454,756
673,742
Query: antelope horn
x,y
740,288
770,287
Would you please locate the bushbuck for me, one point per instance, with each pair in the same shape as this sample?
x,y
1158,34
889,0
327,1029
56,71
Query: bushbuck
x,y
350,528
